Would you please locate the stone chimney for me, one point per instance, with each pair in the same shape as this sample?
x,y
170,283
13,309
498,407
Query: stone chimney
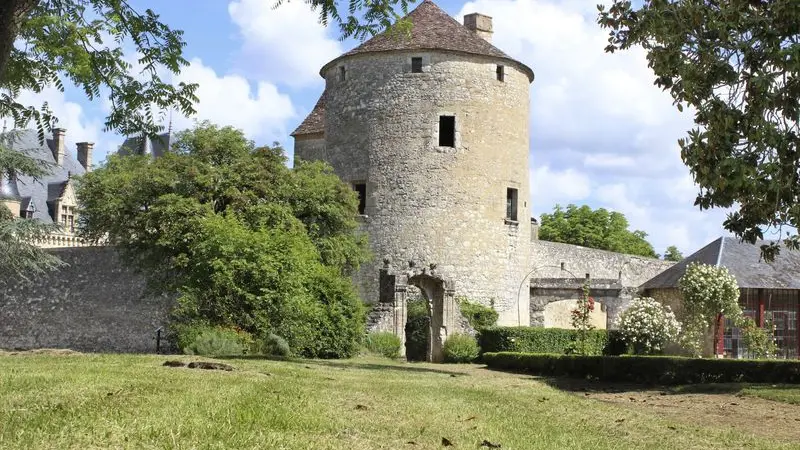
x,y
59,145
480,25
85,154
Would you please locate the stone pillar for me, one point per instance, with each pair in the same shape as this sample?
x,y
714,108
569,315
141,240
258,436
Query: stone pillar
x,y
401,312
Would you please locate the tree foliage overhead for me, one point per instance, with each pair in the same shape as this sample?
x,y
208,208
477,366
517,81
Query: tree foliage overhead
x,y
20,259
358,19
737,63
50,43
247,242
600,229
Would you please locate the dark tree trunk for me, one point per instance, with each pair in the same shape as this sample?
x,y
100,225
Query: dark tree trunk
x,y
11,14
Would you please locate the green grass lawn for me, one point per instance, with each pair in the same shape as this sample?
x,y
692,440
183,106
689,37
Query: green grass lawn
x,y
123,401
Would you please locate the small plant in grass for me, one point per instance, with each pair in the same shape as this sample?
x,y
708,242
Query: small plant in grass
x,y
384,343
647,326
581,321
274,345
460,348
216,342
708,293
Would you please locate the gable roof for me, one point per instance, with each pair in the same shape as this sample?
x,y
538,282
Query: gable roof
x,y
315,121
432,29
743,260
40,191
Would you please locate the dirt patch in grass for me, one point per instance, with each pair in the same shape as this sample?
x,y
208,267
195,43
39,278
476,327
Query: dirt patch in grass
x,y
718,409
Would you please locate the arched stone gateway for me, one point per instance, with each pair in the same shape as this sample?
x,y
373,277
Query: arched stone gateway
x,y
439,292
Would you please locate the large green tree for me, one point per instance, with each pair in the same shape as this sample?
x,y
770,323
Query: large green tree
x,y
737,64
245,240
55,43
600,228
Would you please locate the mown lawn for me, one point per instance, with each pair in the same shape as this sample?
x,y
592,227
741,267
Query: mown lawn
x,y
123,401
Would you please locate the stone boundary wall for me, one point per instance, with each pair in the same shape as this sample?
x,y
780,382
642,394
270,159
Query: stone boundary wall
x,y
95,304
635,270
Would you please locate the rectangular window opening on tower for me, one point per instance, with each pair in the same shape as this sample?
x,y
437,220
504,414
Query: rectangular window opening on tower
x,y
501,73
416,65
511,204
361,189
447,131
342,73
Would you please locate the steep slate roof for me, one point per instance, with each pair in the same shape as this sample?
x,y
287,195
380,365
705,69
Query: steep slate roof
x,y
137,146
40,191
315,122
432,29
743,260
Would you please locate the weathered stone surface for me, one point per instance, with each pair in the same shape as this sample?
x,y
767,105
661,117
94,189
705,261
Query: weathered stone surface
x,y
94,304
427,203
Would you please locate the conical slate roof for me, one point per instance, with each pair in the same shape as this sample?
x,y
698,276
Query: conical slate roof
x,y
432,29
315,122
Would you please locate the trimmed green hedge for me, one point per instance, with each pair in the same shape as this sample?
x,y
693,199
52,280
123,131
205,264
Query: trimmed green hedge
x,y
546,340
661,370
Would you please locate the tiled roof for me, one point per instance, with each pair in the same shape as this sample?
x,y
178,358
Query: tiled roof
x,y
432,29
155,147
315,122
743,260
40,191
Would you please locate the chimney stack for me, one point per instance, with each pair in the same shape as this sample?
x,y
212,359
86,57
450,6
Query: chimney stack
x,y
480,25
85,155
59,146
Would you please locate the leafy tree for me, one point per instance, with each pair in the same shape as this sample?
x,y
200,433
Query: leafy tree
x,y
246,241
80,42
600,228
736,63
708,293
49,43
359,18
673,254
19,257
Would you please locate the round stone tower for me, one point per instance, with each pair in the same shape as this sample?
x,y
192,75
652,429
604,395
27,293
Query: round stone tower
x,y
431,127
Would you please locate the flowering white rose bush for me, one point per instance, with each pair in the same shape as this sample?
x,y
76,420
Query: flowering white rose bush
x,y
708,291
648,326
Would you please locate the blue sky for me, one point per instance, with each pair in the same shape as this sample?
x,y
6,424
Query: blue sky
x,y
601,133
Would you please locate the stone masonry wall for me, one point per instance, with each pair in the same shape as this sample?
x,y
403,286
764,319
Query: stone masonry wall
x,y
94,304
547,257
432,204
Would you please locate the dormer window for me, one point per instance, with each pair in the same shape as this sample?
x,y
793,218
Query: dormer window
x,y
416,65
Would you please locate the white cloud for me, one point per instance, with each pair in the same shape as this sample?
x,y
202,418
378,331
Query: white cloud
x,y
549,187
285,44
261,112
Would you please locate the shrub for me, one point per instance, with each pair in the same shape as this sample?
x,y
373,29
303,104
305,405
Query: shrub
x,y
477,315
384,343
759,342
664,370
199,338
216,342
647,326
547,340
707,292
274,345
460,348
